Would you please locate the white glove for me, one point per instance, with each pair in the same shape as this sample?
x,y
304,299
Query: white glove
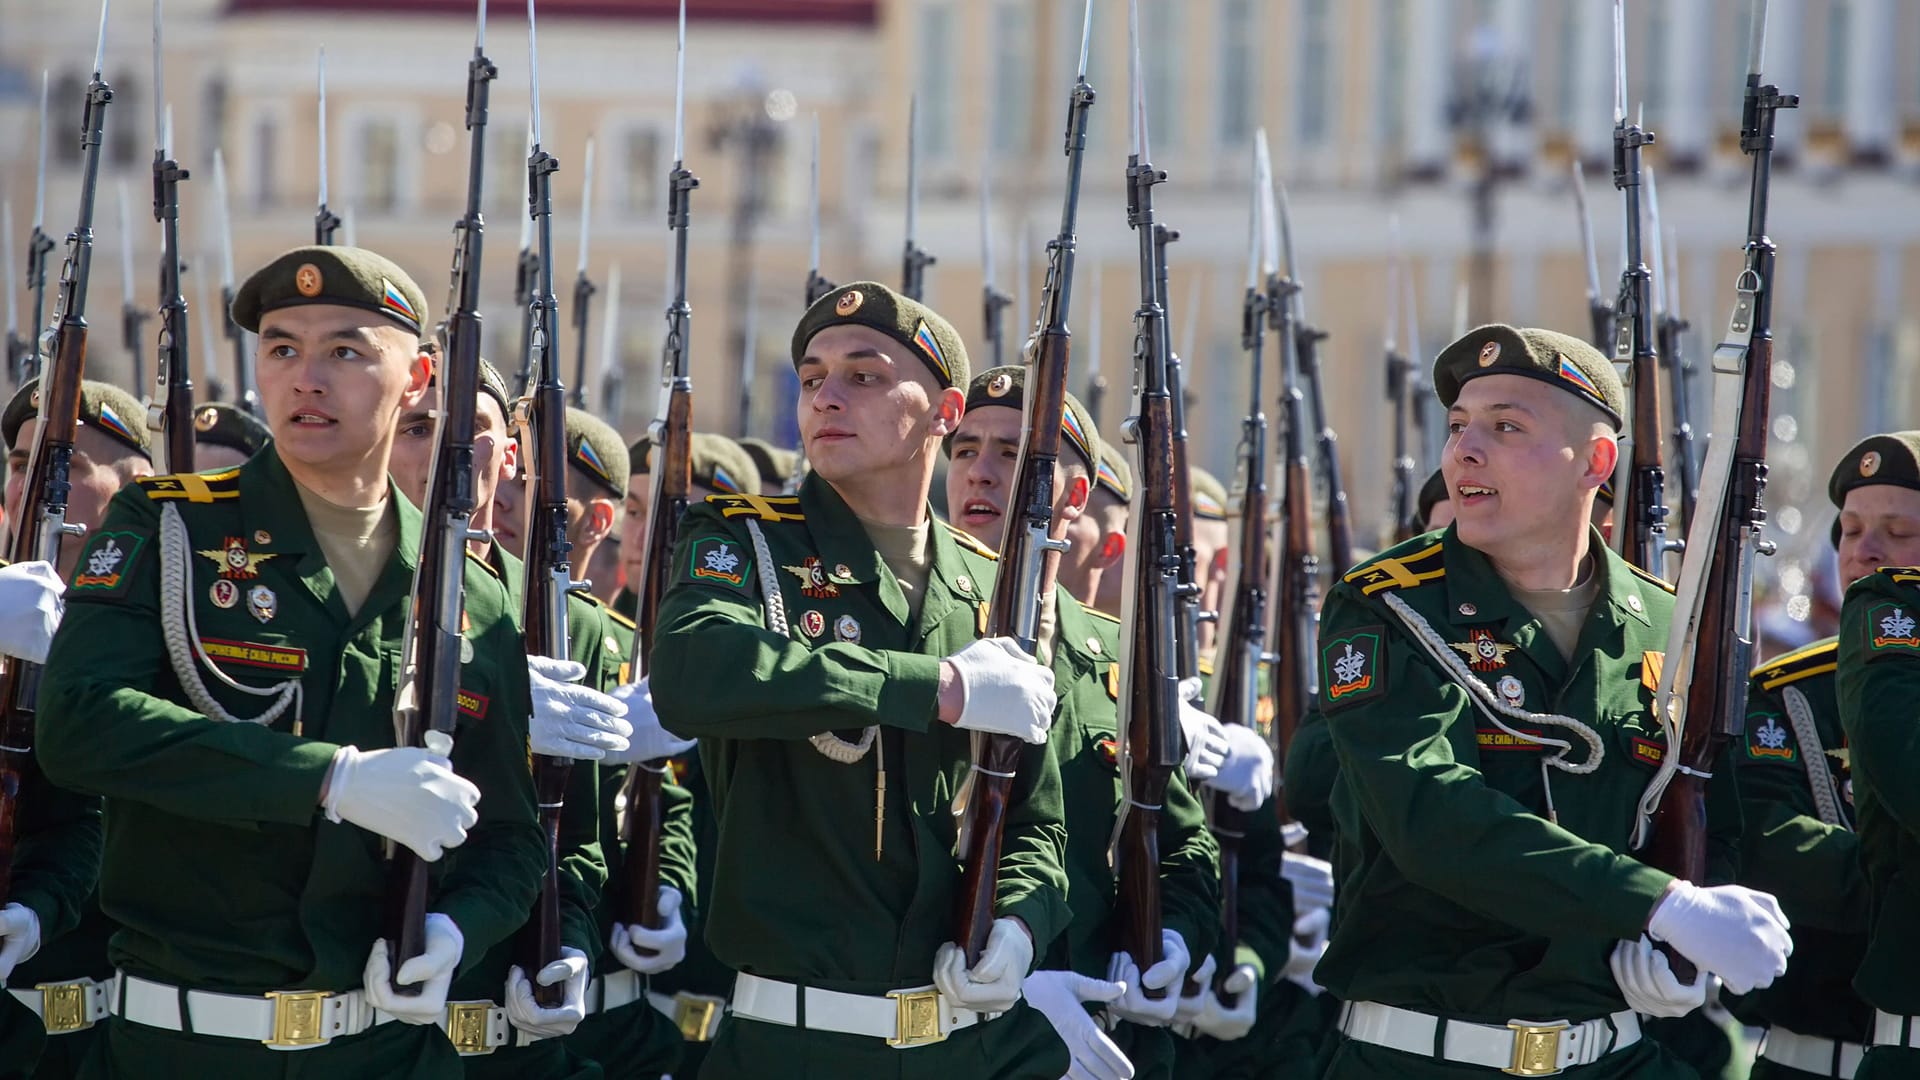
x,y
1305,947
1057,995
432,970
30,601
1647,981
668,944
19,937
1246,777
1166,975
529,1016
992,985
648,740
1006,692
572,721
1312,881
1190,1004
405,794
1733,931
1206,737
1221,1022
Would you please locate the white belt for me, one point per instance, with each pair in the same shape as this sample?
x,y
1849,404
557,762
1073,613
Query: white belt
x,y
283,1020
904,1018
67,1007
696,1015
1890,1029
1519,1048
1812,1054
481,1027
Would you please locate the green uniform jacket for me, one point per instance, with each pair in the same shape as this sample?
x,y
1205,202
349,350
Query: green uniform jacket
x,y
799,894
1462,898
219,867
56,853
1812,867
1878,681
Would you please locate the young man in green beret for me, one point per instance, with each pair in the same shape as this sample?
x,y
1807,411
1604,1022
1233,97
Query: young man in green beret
x,y
1876,681
109,452
1488,696
1210,537
825,649
225,435
224,678
1097,537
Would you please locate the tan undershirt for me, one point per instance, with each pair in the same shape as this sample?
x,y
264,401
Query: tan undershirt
x,y
356,540
904,549
1562,612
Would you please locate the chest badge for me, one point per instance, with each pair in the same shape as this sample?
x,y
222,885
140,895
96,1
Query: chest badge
x,y
1512,691
812,623
234,560
262,603
1482,652
813,579
224,594
847,629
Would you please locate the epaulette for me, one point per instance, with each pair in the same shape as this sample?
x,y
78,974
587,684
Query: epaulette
x,y
961,537
1902,574
484,565
1206,666
1802,663
1651,578
1398,572
607,610
193,487
764,507
1098,614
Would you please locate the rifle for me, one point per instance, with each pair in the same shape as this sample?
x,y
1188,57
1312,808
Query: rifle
x,y
671,434
170,415
39,246
583,289
993,301
1702,696
1242,643
39,523
526,274
1031,546
817,286
1641,532
425,703
133,317
1400,378
1669,333
749,342
245,393
17,346
1307,341
914,260
209,352
613,373
1187,598
325,221
1598,310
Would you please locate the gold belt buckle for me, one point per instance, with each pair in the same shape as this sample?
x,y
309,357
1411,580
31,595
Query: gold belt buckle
x,y
63,1006
299,1018
916,1020
697,1015
1536,1049
467,1023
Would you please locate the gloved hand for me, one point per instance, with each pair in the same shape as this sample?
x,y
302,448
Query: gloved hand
x,y
668,944
1057,995
1166,975
1246,777
1190,1004
1006,691
405,794
1733,931
1312,881
1647,981
30,597
1308,942
1206,737
992,985
648,740
529,1016
19,938
432,969
1222,1022
572,721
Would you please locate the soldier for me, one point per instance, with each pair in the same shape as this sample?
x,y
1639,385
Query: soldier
x,y
237,720
109,452
1210,537
1436,510
718,466
1086,965
225,435
773,463
819,647
1481,895
1878,485
1107,509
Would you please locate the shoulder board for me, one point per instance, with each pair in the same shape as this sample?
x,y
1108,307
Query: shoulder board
x,y
1100,615
193,487
483,564
764,507
1815,659
961,537
1902,574
1206,666
1398,571
606,609
1655,579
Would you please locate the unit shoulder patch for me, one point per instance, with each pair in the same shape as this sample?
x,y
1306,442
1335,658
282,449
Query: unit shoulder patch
x,y
1770,740
719,560
193,487
103,563
1399,571
1351,668
1817,659
1891,626
764,507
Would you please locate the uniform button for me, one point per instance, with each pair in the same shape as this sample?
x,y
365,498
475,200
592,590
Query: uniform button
x,y
1469,608
964,582
1093,645
1633,602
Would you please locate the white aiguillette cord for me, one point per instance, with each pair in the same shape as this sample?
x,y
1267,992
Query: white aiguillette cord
x,y
181,632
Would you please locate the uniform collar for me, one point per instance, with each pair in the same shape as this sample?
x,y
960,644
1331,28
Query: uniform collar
x,y
849,558
1077,640
1478,596
270,506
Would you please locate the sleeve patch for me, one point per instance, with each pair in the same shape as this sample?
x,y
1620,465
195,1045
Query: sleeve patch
x,y
718,560
1770,740
1891,627
1350,668
103,563
472,704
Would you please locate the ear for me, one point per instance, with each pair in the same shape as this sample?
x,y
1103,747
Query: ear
x,y
1112,550
598,524
1603,454
947,410
510,460
1078,491
419,376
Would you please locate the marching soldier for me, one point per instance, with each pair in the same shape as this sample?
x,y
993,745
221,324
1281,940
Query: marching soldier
x,y
717,466
824,649
224,679
1487,696
1091,567
225,435
1210,538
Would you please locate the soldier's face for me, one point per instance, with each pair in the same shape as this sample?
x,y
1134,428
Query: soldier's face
x,y
1879,526
986,447
510,514
334,381
867,405
633,524
1210,568
414,439
1520,463
99,467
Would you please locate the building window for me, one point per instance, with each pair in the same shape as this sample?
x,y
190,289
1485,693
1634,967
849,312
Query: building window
x,y
1656,77
376,167
935,83
1011,121
263,146
1162,41
1390,94
506,186
1316,56
1566,73
1833,80
1237,36
639,173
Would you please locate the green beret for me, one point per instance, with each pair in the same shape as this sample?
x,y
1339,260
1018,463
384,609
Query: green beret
x,y
346,276
1432,494
1209,495
914,325
719,464
774,463
594,448
116,413
223,424
1554,358
494,385
1113,473
1006,386
1892,459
